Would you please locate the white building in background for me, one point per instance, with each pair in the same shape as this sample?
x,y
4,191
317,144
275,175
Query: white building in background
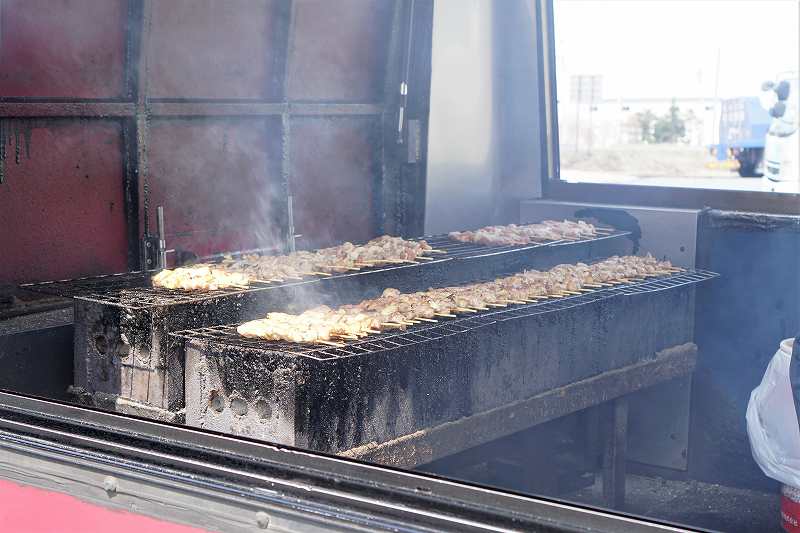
x,y
611,122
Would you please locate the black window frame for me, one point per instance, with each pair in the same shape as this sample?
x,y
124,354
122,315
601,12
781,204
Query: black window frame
x,y
555,188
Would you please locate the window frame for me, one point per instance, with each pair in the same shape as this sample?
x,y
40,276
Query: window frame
x,y
555,188
300,487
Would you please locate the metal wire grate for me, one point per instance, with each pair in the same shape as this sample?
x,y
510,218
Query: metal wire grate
x,y
133,290
226,335
464,250
660,284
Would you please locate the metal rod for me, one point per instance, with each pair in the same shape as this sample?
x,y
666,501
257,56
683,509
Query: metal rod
x,y
406,74
290,237
187,109
67,109
162,241
164,108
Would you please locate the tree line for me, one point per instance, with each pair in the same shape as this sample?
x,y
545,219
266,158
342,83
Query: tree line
x,y
667,128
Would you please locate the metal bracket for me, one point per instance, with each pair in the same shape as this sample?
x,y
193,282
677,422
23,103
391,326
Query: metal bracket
x,y
154,247
149,252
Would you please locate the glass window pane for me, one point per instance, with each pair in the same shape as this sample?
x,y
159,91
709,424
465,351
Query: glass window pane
x,y
678,93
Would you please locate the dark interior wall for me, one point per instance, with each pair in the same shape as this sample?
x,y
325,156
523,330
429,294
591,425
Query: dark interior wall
x,y
741,319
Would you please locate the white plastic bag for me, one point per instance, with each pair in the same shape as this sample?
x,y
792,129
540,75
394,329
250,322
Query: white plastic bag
x,y
772,423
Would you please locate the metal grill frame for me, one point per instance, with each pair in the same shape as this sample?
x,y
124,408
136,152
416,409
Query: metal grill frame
x,y
417,334
133,290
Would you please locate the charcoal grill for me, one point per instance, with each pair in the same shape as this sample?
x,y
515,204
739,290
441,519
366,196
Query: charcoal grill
x,y
397,383
125,360
134,290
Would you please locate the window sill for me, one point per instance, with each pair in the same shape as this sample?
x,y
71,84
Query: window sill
x,y
677,197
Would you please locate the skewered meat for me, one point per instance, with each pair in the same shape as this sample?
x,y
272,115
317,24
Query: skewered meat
x,y
396,309
385,249
200,277
512,234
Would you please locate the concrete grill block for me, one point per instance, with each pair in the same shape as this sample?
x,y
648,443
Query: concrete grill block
x,y
218,398
97,341
137,389
335,404
128,352
121,352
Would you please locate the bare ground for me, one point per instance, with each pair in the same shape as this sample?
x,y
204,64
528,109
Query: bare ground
x,y
646,160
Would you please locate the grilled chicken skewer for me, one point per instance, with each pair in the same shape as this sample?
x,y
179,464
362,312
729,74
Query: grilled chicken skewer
x,y
394,309
346,256
234,273
549,230
200,277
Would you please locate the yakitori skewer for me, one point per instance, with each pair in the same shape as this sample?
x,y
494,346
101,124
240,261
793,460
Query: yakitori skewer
x,y
330,343
513,234
343,258
394,309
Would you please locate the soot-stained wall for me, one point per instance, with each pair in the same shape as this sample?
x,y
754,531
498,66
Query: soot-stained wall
x,y
217,111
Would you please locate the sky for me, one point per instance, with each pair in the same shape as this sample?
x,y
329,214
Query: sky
x,y
669,48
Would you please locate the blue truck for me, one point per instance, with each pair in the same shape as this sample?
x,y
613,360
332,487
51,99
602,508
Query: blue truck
x,y
743,130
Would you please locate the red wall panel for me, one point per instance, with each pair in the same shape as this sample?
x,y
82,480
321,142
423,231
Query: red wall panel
x,y
217,180
62,48
339,50
210,49
62,211
334,167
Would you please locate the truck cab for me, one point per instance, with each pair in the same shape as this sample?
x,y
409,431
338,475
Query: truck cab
x,y
743,129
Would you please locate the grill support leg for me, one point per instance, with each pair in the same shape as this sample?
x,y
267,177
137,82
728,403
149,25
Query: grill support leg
x,y
614,455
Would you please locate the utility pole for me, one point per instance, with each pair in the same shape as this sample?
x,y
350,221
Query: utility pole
x,y
578,116
717,106
584,89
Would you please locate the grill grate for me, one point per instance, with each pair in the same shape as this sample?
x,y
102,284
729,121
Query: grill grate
x,y
226,335
133,290
463,250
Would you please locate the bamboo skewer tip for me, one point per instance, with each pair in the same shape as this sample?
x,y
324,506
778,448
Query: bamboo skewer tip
x,y
331,343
